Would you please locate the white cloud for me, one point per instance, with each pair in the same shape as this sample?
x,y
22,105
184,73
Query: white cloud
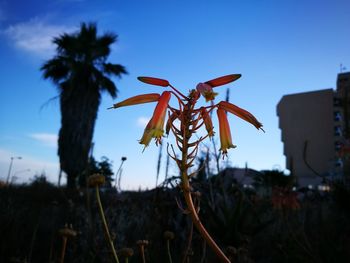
x,y
47,139
35,36
142,121
20,167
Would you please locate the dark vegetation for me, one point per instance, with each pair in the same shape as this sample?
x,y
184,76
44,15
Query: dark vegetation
x,y
248,225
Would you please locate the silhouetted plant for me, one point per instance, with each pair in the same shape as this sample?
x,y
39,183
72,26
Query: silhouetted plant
x,y
268,179
183,122
81,72
103,167
66,233
96,181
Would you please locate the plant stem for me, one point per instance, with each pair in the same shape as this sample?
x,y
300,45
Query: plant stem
x,y
186,187
188,244
143,254
198,224
107,235
168,248
63,251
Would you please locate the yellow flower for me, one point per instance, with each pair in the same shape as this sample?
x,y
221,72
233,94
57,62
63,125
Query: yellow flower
x,y
207,91
155,127
225,133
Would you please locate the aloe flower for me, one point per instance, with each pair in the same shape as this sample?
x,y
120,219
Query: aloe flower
x,y
207,122
206,88
184,121
155,127
225,132
223,80
144,98
207,91
241,113
154,81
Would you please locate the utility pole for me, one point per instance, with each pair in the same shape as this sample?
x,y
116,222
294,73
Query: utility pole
x,y
11,162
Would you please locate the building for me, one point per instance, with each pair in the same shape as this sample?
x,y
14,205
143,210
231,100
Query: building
x,y
315,127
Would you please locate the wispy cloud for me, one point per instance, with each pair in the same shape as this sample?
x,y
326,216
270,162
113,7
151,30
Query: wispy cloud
x,y
35,36
142,122
47,139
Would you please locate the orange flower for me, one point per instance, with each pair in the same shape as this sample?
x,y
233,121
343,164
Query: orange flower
x,y
144,98
223,80
154,81
225,133
243,114
207,91
154,128
207,122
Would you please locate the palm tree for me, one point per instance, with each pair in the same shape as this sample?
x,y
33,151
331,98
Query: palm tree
x,y
81,72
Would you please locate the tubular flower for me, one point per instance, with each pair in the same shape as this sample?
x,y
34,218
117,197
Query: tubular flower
x,y
223,80
243,114
154,128
144,98
207,91
225,133
154,81
207,122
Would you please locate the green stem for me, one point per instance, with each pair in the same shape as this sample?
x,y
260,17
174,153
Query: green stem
x,y
168,248
107,235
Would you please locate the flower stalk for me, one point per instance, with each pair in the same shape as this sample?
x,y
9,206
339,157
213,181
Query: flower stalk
x,y
105,226
183,122
65,233
96,180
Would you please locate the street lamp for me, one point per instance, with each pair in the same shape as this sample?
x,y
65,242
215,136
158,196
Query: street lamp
x,y
9,173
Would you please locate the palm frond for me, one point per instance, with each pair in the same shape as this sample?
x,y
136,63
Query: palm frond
x,y
114,69
105,83
109,86
55,69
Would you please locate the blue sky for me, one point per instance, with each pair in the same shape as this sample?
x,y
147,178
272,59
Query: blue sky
x,y
279,47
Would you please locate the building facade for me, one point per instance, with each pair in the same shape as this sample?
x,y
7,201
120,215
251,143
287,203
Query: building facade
x,y
315,127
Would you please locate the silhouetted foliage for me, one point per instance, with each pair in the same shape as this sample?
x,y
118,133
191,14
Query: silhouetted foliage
x,y
81,72
103,167
271,178
244,223
202,170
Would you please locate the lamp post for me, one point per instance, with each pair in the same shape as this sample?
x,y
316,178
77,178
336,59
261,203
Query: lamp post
x,y
9,173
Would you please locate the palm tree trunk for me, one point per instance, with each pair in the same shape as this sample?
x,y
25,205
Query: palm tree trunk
x,y
78,115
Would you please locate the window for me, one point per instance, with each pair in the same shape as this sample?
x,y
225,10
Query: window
x,y
337,145
337,102
337,116
338,163
337,131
